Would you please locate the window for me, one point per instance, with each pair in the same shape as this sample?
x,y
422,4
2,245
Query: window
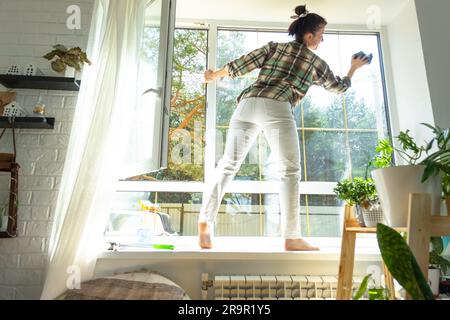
x,y
337,134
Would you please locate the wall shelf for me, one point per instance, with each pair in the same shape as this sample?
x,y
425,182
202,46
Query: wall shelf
x,y
39,82
28,122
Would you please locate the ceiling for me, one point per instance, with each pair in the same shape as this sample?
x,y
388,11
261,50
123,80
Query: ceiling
x,y
346,12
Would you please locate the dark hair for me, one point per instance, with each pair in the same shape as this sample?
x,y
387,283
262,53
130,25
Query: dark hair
x,y
311,23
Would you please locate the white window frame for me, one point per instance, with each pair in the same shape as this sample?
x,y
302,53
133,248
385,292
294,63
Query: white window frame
x,y
255,187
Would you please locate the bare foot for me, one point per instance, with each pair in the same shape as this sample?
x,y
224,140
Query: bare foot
x,y
204,236
298,245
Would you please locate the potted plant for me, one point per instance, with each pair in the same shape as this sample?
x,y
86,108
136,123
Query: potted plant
x,y
395,183
372,292
68,61
402,264
361,193
438,264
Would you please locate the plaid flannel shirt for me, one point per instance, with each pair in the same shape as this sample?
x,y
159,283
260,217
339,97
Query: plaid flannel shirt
x,y
287,72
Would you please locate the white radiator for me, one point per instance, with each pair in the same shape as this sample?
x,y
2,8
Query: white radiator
x,y
273,287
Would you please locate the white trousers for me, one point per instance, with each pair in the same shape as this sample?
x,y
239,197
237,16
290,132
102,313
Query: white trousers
x,y
276,120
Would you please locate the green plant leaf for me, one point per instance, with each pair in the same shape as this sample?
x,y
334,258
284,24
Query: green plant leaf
x,y
362,288
437,245
60,47
51,55
402,264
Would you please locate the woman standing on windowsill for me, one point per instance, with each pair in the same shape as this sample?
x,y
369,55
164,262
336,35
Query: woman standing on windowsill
x,y
287,72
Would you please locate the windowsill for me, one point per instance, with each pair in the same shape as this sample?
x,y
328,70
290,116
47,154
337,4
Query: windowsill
x,y
246,248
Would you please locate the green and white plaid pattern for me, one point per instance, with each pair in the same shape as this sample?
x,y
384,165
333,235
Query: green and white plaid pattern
x,y
287,72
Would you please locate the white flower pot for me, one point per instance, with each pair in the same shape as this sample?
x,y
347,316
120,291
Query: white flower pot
x,y
434,277
72,73
394,186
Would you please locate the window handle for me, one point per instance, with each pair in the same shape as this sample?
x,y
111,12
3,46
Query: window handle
x,y
153,90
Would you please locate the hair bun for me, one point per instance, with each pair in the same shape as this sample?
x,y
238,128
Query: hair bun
x,y
299,10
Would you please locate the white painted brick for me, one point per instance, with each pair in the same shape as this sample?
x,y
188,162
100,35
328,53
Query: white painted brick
x,y
22,245
31,154
57,183
42,198
4,181
25,213
22,277
62,153
6,293
27,140
70,102
54,141
32,261
28,27
40,213
54,28
38,229
30,100
28,293
33,183
64,114
66,128
9,38
45,17
49,168
26,168
21,227
54,101
24,197
9,261
32,39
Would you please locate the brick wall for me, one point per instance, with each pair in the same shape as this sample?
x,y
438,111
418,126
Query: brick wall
x,y
28,30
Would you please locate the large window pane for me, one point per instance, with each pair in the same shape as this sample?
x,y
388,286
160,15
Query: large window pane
x,y
231,45
337,135
326,155
187,118
177,214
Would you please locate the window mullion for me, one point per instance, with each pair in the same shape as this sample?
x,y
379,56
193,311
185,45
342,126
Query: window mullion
x,y
211,107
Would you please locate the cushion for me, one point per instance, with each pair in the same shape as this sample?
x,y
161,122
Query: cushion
x,y
141,285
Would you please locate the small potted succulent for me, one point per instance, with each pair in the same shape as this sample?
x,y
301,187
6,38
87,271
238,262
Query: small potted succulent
x,y
67,61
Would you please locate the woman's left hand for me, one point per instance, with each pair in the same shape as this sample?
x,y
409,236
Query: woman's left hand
x,y
209,76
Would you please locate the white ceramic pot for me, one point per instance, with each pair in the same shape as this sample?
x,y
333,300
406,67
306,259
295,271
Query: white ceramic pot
x,y
72,73
434,277
394,185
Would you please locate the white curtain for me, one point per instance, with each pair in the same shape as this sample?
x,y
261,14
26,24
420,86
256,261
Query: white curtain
x,y
106,104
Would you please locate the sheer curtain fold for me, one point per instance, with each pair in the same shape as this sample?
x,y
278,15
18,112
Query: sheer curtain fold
x,y
106,104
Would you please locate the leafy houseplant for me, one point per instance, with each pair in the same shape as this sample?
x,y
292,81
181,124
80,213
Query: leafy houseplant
x,y
436,258
422,173
357,192
402,264
63,57
373,292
